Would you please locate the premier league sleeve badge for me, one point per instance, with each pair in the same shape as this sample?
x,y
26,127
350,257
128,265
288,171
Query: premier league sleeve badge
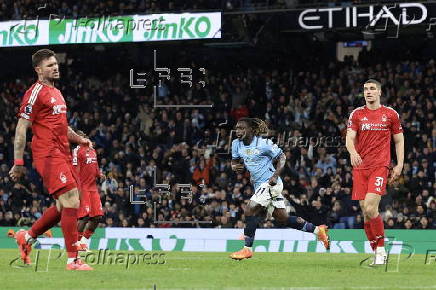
x,y
28,109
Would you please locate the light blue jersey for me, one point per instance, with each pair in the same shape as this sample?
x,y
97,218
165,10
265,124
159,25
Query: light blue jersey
x,y
258,158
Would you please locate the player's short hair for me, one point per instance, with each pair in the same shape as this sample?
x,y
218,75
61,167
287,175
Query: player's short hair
x,y
373,81
258,126
40,55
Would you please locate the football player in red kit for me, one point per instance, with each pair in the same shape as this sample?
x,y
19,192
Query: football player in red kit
x,y
369,133
43,108
90,211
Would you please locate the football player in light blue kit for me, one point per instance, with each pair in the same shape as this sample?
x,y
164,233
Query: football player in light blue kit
x,y
258,155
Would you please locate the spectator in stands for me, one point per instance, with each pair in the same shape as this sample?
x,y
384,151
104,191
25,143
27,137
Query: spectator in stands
x,y
136,141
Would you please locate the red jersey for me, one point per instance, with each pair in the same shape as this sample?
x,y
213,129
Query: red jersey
x,y
86,165
45,107
374,129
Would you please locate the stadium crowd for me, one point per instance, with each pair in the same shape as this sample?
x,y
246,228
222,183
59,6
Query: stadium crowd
x,y
306,112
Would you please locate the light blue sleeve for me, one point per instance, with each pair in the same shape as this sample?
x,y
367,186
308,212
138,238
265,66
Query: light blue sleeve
x,y
235,151
271,149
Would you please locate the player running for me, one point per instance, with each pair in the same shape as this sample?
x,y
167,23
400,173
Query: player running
x,y
90,211
368,142
43,109
258,154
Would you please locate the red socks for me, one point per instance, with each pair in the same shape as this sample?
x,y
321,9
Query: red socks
x,y
87,234
369,234
68,219
69,229
378,230
375,232
48,220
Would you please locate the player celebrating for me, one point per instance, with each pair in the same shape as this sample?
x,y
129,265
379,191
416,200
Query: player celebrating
x,y
368,142
43,108
90,211
258,155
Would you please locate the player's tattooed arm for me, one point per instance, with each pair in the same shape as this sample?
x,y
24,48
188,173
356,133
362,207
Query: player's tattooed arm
x,y
19,145
279,168
20,138
73,137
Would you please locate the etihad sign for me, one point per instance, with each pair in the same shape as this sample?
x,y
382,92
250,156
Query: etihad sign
x,y
398,14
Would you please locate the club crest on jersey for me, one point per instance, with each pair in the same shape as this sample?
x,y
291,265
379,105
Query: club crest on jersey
x,y
63,178
59,109
364,119
28,109
384,118
53,100
252,151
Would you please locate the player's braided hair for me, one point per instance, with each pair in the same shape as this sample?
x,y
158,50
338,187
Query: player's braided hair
x,y
258,126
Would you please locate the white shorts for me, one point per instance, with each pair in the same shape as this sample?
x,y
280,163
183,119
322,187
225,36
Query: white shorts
x,y
269,196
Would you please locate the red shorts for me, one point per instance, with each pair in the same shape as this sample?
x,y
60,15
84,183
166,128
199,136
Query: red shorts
x,y
57,174
90,204
371,180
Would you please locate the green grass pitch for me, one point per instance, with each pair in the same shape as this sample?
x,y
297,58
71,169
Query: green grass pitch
x,y
189,270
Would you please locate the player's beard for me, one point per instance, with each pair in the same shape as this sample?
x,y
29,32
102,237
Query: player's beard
x,y
51,78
